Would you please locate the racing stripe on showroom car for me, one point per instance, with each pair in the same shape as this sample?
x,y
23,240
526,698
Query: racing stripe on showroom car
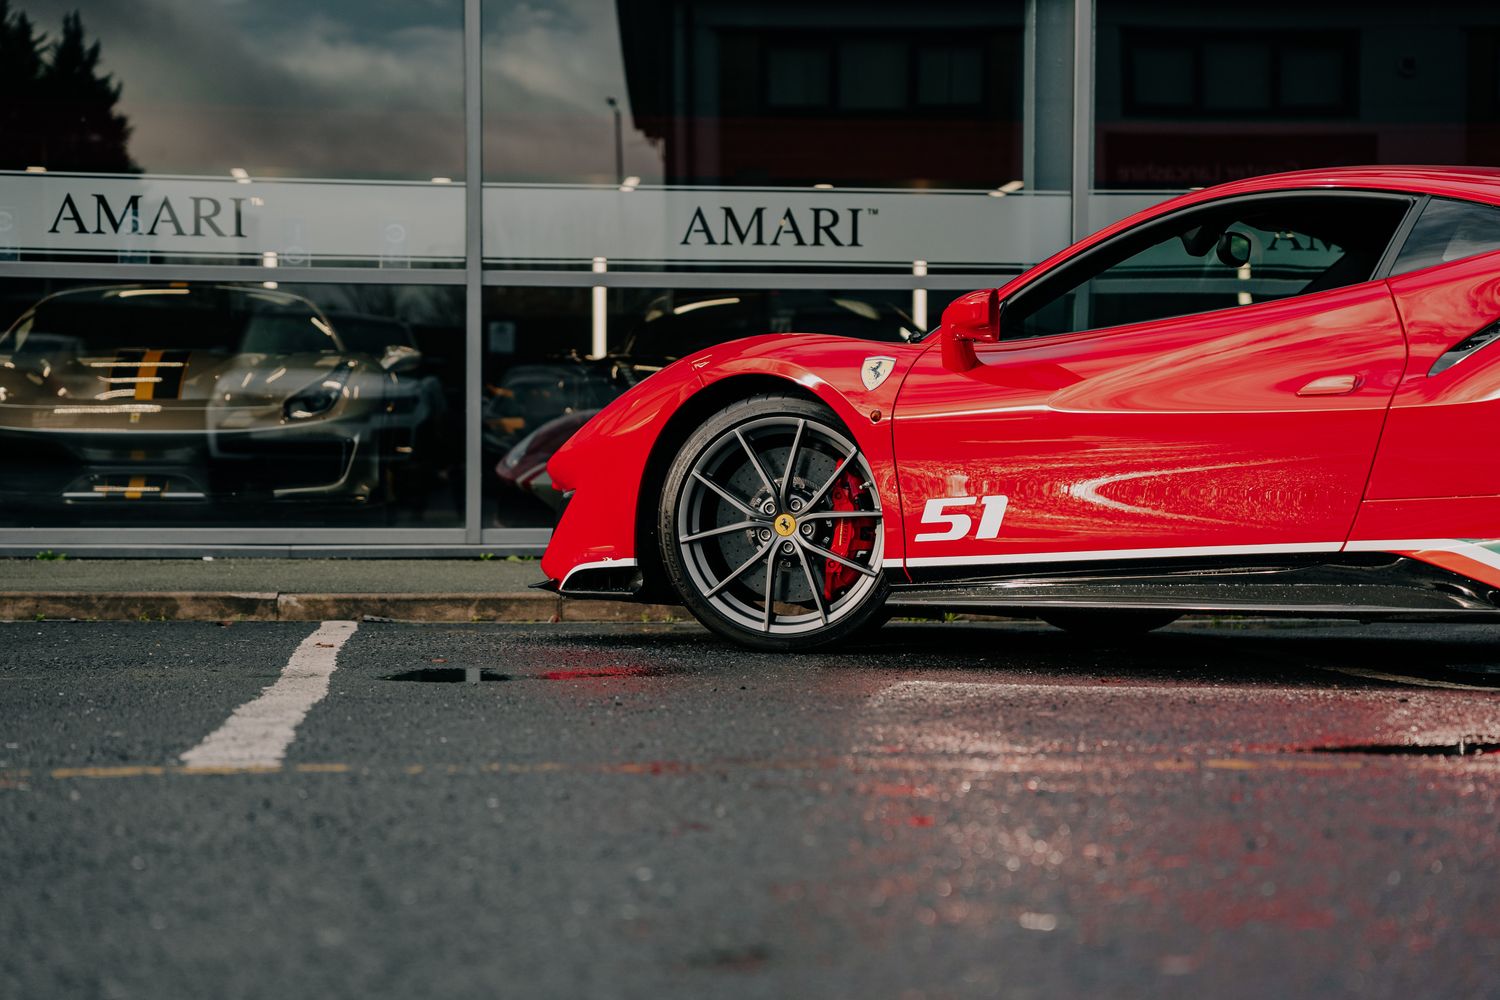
x,y
146,377
171,369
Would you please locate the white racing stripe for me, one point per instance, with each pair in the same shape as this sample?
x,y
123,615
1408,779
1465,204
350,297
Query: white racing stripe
x,y
1002,558
259,731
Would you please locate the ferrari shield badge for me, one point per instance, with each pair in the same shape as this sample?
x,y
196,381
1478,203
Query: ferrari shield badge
x,y
875,371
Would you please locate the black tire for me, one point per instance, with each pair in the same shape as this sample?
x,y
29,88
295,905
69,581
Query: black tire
x,y
727,494
1109,624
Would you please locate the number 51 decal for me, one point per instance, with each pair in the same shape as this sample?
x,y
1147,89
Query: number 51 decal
x,y
958,524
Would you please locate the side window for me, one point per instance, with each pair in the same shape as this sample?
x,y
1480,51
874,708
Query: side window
x,y
1449,230
1210,258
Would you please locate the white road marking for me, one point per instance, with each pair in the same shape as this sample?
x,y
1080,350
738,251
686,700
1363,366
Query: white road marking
x,y
259,731
908,693
1376,675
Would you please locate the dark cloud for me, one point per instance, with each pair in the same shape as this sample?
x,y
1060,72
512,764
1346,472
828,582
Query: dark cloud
x,y
337,88
363,88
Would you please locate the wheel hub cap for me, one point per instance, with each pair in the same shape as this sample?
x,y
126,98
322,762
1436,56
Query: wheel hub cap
x,y
785,525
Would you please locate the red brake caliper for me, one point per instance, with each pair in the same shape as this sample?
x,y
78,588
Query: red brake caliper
x,y
853,538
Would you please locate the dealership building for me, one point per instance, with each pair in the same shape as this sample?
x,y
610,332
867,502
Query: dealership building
x,y
338,276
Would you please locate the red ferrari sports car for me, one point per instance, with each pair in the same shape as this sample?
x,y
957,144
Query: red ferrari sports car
x,y
1255,398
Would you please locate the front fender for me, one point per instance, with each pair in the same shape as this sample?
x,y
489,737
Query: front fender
x,y
605,463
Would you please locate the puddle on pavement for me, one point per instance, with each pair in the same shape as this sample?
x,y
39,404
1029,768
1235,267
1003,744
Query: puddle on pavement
x,y
450,675
462,675
1467,747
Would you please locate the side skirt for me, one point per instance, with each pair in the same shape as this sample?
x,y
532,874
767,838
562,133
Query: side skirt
x,y
1363,585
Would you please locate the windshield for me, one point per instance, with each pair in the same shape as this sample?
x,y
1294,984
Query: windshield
x,y
675,328
195,318
371,335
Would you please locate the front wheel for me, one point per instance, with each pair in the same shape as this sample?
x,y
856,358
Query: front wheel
x,y
771,526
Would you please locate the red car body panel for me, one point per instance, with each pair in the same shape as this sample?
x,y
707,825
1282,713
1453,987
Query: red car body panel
x,y
1179,433
603,464
1184,436
1427,450
607,459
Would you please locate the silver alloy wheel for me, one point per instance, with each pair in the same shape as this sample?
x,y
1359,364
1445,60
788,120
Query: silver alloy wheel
x,y
756,515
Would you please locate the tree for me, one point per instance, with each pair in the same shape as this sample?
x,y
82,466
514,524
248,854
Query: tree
x,y
20,76
56,109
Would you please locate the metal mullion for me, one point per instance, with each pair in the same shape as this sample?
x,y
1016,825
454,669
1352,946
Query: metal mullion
x,y
1029,95
473,270
1083,114
86,271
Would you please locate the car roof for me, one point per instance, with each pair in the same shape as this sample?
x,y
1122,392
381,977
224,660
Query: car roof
x,y
1474,183
200,287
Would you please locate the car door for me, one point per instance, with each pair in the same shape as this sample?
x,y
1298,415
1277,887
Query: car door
x,y
1212,383
1435,477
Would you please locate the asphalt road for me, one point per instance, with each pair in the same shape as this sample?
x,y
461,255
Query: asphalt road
x,y
639,811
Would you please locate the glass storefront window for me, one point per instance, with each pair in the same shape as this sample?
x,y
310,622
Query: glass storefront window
x,y
219,404
276,88
271,133
1189,95
655,136
542,381
713,93
684,134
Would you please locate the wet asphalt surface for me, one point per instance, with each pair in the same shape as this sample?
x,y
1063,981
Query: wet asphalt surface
x,y
640,811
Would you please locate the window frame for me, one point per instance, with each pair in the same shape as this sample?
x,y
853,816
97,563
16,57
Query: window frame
x,y
1414,204
988,105
1133,39
1427,201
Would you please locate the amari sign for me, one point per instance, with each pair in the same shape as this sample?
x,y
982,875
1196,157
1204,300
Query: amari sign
x,y
753,226
825,226
288,221
166,219
297,222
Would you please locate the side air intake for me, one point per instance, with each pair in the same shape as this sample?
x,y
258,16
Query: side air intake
x,y
1464,348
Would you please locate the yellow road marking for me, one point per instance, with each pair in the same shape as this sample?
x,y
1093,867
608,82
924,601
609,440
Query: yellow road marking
x,y
1231,764
1010,764
129,771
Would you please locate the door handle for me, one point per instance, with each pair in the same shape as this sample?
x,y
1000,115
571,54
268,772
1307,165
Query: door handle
x,y
1331,385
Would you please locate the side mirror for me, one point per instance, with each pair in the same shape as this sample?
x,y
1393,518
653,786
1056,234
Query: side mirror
x,y
400,358
970,319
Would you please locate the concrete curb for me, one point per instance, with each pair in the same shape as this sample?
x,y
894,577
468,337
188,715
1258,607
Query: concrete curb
x,y
524,606
224,606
